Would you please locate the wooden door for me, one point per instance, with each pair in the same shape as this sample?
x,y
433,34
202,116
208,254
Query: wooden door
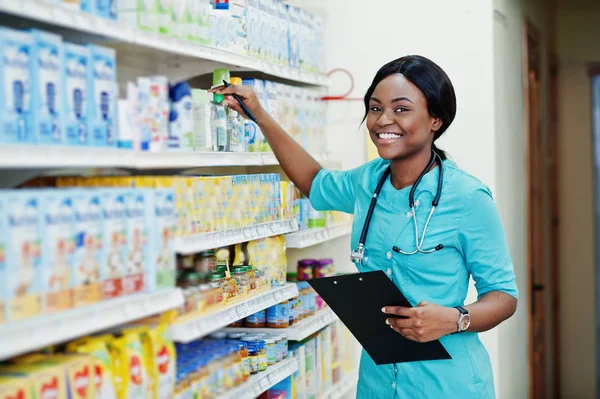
x,y
535,214
555,224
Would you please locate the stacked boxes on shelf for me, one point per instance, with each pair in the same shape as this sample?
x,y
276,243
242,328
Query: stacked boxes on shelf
x,y
264,29
55,92
69,247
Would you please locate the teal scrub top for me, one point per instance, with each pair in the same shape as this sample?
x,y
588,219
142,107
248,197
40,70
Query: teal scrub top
x,y
466,222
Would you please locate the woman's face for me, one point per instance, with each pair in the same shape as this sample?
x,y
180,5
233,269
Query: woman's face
x,y
398,120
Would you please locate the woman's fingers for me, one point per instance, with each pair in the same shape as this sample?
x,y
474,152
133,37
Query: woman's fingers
x,y
399,323
397,311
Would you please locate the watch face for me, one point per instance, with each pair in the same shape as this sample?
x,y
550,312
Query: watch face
x,y
464,322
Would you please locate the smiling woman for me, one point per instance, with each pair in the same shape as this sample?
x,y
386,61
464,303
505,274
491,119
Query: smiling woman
x,y
410,104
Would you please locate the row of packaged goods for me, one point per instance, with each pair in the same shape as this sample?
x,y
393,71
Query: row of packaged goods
x,y
231,274
79,240
137,361
264,29
178,117
209,367
57,92
63,248
324,358
140,361
269,30
289,312
205,204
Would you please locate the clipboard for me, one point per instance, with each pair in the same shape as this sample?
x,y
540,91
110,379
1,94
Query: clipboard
x,y
357,300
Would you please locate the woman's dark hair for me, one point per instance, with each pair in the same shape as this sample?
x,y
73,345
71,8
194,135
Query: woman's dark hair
x,y
431,80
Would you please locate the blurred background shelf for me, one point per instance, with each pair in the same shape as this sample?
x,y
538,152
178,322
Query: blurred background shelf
x,y
38,332
310,237
206,241
298,331
192,327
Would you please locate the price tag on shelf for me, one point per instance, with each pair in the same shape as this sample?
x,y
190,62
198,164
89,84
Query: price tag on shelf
x,y
59,14
263,230
263,384
278,296
243,310
232,315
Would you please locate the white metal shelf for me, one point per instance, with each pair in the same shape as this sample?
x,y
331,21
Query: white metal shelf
x,y
342,387
153,43
261,382
298,331
310,237
38,332
28,156
205,241
191,328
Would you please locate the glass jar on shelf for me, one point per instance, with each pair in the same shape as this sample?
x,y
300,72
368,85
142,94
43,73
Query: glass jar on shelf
x,y
305,269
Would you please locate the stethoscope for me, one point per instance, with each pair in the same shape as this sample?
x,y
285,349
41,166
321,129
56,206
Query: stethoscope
x,y
360,255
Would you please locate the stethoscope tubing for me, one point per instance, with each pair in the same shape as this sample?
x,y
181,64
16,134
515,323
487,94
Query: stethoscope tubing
x,y
418,242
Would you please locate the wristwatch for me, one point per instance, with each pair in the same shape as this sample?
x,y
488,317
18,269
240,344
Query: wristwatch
x,y
464,320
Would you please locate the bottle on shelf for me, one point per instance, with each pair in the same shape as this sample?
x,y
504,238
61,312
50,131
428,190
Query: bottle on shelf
x,y
235,126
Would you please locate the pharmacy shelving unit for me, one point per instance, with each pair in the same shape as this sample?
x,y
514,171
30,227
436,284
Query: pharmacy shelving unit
x,y
342,387
300,330
205,241
193,327
148,44
28,335
310,237
259,383
50,156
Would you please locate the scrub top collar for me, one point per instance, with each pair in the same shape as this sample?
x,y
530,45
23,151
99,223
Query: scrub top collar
x,y
425,190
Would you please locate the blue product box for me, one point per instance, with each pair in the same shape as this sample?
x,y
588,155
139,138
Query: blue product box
x,y
47,87
76,70
15,86
102,97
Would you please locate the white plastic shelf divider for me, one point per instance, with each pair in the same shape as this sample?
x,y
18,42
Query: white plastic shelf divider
x,y
181,159
191,328
49,156
345,385
206,241
261,382
38,332
64,17
298,331
310,237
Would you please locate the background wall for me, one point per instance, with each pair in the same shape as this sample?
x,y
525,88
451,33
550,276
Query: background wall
x,y
510,177
578,34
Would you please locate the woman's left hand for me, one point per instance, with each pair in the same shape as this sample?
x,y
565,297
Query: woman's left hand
x,y
423,323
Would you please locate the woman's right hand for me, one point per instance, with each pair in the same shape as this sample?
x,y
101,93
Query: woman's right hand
x,y
247,95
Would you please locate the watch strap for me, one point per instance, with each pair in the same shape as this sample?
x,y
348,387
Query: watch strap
x,y
461,310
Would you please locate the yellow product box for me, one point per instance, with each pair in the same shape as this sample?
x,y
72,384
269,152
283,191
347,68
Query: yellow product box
x,y
268,256
97,348
46,380
130,371
160,358
25,282
78,371
190,206
288,200
181,206
17,387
